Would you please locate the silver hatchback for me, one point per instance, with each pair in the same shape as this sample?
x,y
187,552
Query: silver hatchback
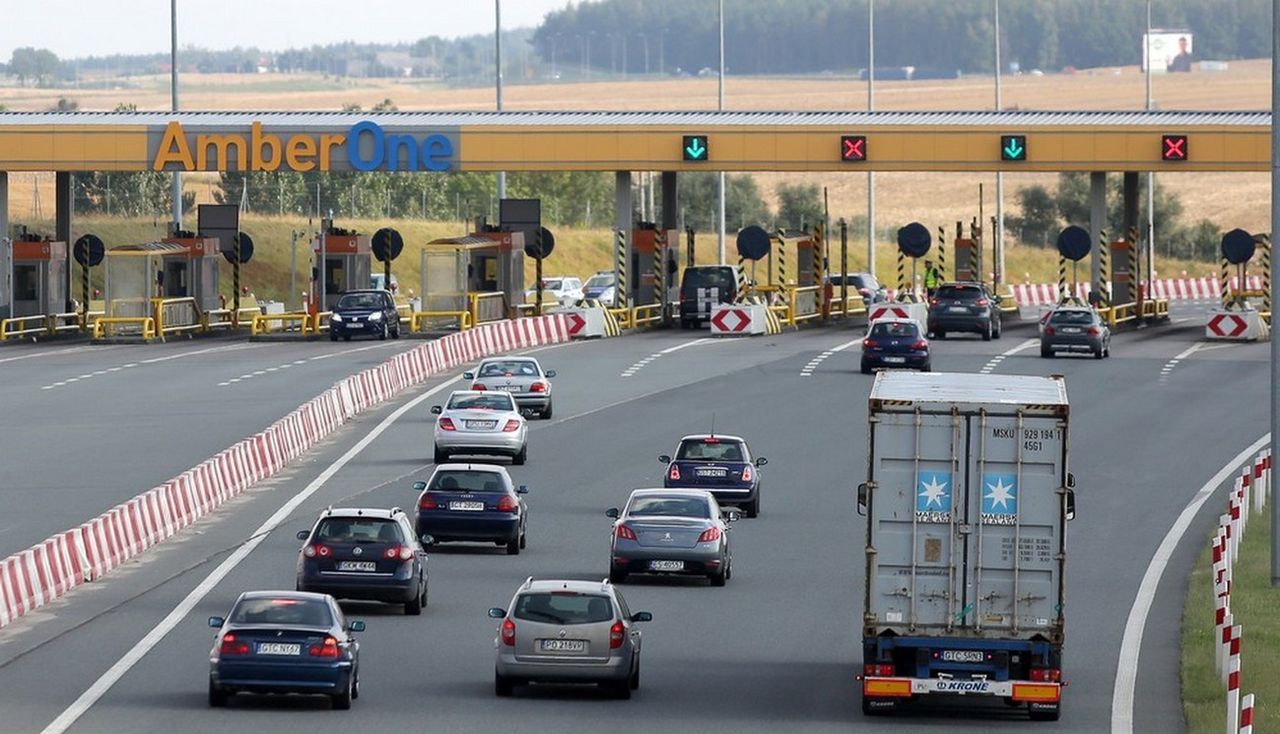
x,y
561,631
522,377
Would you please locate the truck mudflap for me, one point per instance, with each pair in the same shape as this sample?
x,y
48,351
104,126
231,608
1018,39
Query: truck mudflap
x,y
1018,691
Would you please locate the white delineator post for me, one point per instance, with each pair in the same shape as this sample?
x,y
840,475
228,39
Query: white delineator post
x,y
1225,643
1228,558
1233,682
1242,495
1260,482
1246,715
1220,602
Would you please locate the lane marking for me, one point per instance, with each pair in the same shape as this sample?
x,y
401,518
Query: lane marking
x,y
317,358
153,360
628,372
56,352
807,370
990,366
1131,643
1173,363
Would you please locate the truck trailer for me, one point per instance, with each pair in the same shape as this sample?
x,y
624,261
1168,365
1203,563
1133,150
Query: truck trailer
x,y
967,500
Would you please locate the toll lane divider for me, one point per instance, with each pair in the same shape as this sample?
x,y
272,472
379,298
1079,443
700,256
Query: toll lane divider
x,y
40,574
1173,289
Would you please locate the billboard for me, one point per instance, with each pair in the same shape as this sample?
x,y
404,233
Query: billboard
x,y
1169,50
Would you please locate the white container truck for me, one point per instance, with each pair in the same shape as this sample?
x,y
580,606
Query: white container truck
x,y
967,499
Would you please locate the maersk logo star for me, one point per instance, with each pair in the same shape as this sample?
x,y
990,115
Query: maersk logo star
x,y
934,492
1001,496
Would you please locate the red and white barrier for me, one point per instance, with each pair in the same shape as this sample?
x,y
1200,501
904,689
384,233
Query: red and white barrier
x,y
1173,289
38,575
1233,682
1246,715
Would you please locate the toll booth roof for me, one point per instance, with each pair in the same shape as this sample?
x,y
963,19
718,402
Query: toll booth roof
x,y
149,248
468,242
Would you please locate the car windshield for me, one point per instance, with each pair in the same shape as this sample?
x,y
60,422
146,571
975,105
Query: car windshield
x,y
600,281
670,507
1071,317
865,281
481,402
563,607
360,300
466,481
960,292
721,278
709,449
508,368
357,530
273,610
551,284
894,330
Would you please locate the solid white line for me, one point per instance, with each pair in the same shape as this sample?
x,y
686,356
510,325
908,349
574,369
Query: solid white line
x,y
1188,351
1131,644
131,658
686,345
56,352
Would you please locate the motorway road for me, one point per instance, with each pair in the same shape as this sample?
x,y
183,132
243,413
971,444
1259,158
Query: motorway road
x,y
776,650
86,427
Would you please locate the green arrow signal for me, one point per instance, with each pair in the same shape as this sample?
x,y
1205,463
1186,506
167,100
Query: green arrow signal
x,y
1013,149
696,150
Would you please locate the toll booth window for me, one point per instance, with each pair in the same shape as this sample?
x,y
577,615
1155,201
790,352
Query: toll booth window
x,y
175,280
26,282
334,277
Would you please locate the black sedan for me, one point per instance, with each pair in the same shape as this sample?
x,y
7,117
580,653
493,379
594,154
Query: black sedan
x,y
895,343
719,464
285,642
964,307
473,503
369,312
1075,330
364,553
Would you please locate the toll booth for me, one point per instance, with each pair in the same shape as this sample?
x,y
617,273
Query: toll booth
x,y
1124,278
37,271
347,262
482,272
648,245
133,275
192,271
800,248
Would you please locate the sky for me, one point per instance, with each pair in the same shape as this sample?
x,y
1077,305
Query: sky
x,y
72,28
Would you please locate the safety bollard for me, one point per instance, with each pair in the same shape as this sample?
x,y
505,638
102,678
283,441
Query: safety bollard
x,y
1233,681
1246,487
1224,523
1224,642
1260,482
1220,603
1246,714
1237,531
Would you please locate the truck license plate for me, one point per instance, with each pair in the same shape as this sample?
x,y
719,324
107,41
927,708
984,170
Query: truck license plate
x,y
962,656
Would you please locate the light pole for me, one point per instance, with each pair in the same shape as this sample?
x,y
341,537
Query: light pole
x,y
998,243
497,80
173,89
1151,175
871,107
720,108
1275,283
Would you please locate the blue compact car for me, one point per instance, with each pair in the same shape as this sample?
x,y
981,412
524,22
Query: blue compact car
x,y
721,465
285,642
368,312
364,553
895,343
474,503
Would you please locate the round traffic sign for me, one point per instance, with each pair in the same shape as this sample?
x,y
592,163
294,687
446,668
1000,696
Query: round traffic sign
x,y
387,244
1238,246
89,250
548,244
753,242
914,240
246,249
1074,243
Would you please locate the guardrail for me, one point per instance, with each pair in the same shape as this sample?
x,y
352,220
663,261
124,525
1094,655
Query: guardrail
x,y
20,326
176,315
649,313
622,316
263,323
852,305
802,303
1123,313
71,321
106,326
487,307
416,320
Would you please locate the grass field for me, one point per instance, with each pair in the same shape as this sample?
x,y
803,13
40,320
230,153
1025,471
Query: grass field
x,y
1253,604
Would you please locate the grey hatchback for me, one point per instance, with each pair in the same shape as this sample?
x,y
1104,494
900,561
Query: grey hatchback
x,y
1075,330
564,631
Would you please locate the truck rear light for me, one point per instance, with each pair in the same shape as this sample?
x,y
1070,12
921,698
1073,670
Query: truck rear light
x,y
624,532
674,474
508,632
446,424
880,670
1046,675
709,535
231,646
617,633
507,504
326,649
538,387
512,425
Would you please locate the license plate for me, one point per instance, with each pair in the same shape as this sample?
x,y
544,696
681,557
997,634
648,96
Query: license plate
x,y
279,648
467,506
713,472
959,309
1070,330
562,645
357,566
481,425
895,360
666,565
962,656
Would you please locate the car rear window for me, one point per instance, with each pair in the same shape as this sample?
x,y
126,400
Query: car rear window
x,y
721,278
467,481
358,530
670,507
894,330
710,449
508,367
481,402
563,607
551,284
960,292
1071,317
361,300
304,612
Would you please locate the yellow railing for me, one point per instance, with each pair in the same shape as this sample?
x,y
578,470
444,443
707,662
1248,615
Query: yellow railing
x,y
175,315
802,303
60,322
320,321
622,316
649,313
105,326
263,323
218,318
418,317
20,326
851,306
486,307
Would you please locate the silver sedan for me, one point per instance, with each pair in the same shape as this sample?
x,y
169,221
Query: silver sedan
x,y
671,531
523,377
480,422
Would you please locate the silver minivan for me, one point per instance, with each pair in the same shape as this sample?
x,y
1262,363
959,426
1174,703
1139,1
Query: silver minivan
x,y
561,631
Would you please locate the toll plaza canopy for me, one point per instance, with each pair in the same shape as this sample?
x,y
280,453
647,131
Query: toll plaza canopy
x,y
628,141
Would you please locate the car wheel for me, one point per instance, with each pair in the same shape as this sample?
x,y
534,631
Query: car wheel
x,y
520,458
342,701
524,539
986,333
513,545
753,508
382,336
333,337
1053,715
999,328
502,685
355,687
1046,353
927,367
217,696
617,577
728,568
346,337
413,607
635,678
396,333
621,689
868,710
441,457
866,368
1097,353
940,334
546,412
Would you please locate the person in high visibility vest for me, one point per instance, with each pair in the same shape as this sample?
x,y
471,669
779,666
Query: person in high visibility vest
x,y
932,278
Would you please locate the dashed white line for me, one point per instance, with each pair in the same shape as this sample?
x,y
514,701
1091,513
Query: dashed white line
x,y
317,358
153,360
57,352
813,364
990,366
630,371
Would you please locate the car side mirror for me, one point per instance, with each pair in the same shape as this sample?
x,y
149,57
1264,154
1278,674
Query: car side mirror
x,y
522,489
731,515
216,622
761,461
426,539
356,625
1071,480
550,374
664,459
863,492
419,486
302,534
468,375
497,613
1071,504
436,410
642,617
612,512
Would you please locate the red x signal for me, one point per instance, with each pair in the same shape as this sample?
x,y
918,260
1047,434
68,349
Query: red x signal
x,y
853,147
1173,147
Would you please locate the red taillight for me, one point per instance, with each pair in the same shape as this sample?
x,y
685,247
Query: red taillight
x,y
508,632
980,302
920,344
709,535
311,551
508,504
617,633
882,670
538,387
933,301
1093,331
1048,331
428,502
624,532
746,473
512,425
674,474
403,552
868,343
1046,675
232,646
446,424
478,386
326,649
